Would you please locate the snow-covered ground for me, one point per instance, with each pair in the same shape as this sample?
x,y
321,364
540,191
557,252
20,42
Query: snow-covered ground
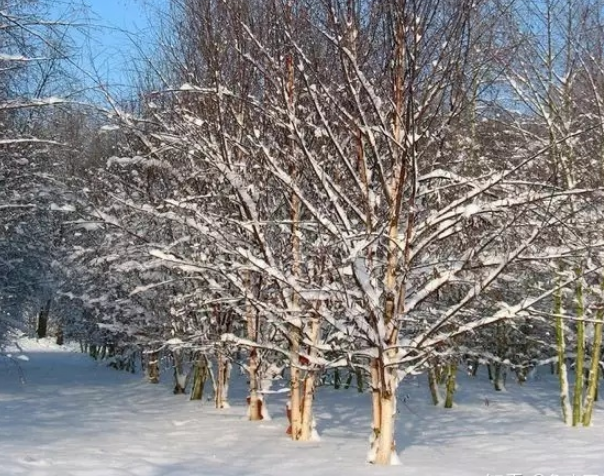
x,y
74,417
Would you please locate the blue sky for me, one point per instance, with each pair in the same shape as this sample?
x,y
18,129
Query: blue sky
x,y
124,13
120,27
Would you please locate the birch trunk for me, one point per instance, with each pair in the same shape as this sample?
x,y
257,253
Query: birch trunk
x,y
255,401
562,369
383,448
200,376
295,403
307,421
308,431
295,400
580,359
376,407
223,368
180,377
433,384
592,382
451,384
499,378
153,367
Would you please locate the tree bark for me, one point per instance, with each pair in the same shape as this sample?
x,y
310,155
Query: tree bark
x,y
433,384
200,376
383,448
295,402
180,377
43,320
376,407
594,371
307,421
499,377
255,399
592,382
562,369
153,367
308,431
60,336
580,359
451,384
223,376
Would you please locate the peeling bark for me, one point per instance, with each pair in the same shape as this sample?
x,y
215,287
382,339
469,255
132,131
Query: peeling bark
x,y
451,384
561,348
180,377
254,398
221,385
383,447
592,380
200,376
433,385
153,367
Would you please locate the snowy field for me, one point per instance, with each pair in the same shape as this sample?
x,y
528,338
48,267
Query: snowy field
x,y
74,417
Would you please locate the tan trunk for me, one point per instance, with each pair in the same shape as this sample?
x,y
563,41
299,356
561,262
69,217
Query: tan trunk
x,y
383,450
222,382
179,376
306,414
218,389
384,403
295,400
561,347
255,402
433,384
376,405
254,398
295,403
200,377
308,432
451,384
592,380
580,357
386,446
307,418
153,367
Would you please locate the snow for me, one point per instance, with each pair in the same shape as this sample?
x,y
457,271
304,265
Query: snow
x,y
10,57
73,416
110,128
187,87
136,160
62,208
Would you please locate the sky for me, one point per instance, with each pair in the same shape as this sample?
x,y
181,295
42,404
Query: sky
x,y
121,23
118,33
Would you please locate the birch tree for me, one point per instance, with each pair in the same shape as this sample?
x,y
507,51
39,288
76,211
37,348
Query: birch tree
x,y
388,212
32,71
